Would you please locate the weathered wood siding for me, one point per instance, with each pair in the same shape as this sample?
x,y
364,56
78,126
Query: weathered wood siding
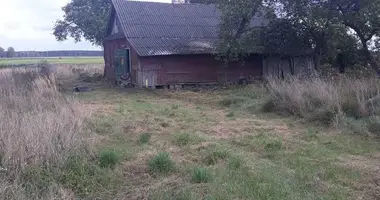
x,y
188,69
276,66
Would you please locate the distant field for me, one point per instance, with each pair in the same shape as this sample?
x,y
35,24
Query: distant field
x,y
54,60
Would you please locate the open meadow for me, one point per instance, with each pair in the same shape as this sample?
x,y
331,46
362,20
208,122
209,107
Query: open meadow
x,y
289,139
52,60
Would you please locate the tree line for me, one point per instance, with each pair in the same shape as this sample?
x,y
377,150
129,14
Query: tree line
x,y
342,33
9,53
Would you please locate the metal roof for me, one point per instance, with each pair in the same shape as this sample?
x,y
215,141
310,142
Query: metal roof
x,y
170,29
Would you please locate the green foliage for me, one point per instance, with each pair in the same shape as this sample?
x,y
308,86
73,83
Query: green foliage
x,y
87,178
273,145
145,137
230,114
161,163
214,156
234,163
230,101
84,19
183,139
201,175
108,159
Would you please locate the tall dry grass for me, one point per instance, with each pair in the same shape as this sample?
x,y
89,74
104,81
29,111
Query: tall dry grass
x,y
38,127
325,100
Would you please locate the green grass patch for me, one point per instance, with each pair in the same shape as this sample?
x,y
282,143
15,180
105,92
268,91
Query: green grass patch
x,y
145,137
161,163
108,159
62,60
215,155
235,163
183,139
230,114
201,175
232,101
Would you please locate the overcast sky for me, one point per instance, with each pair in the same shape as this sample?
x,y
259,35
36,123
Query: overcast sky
x,y
28,24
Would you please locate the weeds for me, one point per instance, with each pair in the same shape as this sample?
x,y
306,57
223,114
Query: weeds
x,y
108,159
213,157
325,101
201,175
145,137
230,114
234,163
161,163
183,139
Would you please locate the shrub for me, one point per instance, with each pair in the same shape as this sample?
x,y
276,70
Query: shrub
x,y
161,163
108,159
145,137
201,175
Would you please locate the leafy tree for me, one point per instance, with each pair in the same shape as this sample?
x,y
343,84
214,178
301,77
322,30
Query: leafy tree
x,y
84,19
2,52
11,52
363,17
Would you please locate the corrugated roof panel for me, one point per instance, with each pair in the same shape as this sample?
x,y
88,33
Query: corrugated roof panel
x,y
167,29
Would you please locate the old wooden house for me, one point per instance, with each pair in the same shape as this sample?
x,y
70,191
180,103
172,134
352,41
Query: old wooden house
x,y
161,44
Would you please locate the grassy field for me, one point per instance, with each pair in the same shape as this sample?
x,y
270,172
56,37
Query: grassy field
x,y
63,60
144,144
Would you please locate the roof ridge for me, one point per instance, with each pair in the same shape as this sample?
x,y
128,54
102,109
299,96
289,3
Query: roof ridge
x,y
155,2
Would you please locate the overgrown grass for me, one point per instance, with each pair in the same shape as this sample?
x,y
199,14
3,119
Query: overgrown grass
x,y
201,175
40,127
161,163
324,100
183,139
108,158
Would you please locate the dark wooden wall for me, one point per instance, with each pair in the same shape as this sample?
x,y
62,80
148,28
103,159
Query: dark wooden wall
x,y
182,69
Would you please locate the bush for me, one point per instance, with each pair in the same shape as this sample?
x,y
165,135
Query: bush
x,y
145,137
108,159
201,175
161,163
